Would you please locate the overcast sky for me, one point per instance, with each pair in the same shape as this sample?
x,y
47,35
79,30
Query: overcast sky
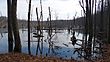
x,y
64,9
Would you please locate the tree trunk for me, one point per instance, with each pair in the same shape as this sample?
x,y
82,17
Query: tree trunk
x,y
90,29
29,10
109,22
41,17
17,47
38,32
101,21
10,35
86,26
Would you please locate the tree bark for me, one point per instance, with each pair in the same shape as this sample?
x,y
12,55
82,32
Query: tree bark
x,y
17,47
10,33
109,21
90,29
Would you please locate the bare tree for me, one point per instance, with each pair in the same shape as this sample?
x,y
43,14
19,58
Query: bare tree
x,y
90,28
102,11
41,18
38,33
29,11
10,35
109,21
50,33
17,47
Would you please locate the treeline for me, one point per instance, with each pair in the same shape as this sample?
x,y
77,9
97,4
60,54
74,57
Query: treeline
x,y
55,23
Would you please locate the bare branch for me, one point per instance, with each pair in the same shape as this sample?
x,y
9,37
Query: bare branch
x,y
82,6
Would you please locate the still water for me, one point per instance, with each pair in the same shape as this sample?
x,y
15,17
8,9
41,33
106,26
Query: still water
x,y
61,40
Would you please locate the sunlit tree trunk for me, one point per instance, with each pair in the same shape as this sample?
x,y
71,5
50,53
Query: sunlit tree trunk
x,y
10,35
17,47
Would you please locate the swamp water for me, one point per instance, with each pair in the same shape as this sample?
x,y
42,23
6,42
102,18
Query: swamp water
x,y
62,44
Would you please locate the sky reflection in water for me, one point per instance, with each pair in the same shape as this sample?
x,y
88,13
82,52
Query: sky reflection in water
x,y
60,39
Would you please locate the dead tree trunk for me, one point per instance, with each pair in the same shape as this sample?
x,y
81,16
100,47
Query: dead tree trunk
x,y
50,33
29,10
38,33
17,47
41,18
10,35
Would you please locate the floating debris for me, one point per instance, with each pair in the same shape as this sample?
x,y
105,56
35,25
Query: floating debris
x,y
57,47
65,45
68,51
36,36
31,41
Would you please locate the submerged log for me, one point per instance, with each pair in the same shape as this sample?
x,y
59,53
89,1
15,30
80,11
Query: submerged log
x,y
36,36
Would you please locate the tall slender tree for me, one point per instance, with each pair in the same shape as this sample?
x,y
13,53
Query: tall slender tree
x,y
38,33
41,18
90,27
86,26
29,11
10,35
109,21
94,26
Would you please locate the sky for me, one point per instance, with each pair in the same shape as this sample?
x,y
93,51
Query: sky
x,y
63,9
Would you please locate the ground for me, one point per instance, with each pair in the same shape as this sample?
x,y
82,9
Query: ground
x,y
106,54
20,57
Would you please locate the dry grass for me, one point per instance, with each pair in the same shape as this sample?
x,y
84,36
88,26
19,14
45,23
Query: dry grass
x,y
18,57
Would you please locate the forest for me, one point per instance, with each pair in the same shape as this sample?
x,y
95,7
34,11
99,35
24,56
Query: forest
x,y
81,39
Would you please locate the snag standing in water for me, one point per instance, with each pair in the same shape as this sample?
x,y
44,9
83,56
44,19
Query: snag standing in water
x,y
73,39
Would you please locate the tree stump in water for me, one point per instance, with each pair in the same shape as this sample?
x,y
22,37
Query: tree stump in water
x,y
73,39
